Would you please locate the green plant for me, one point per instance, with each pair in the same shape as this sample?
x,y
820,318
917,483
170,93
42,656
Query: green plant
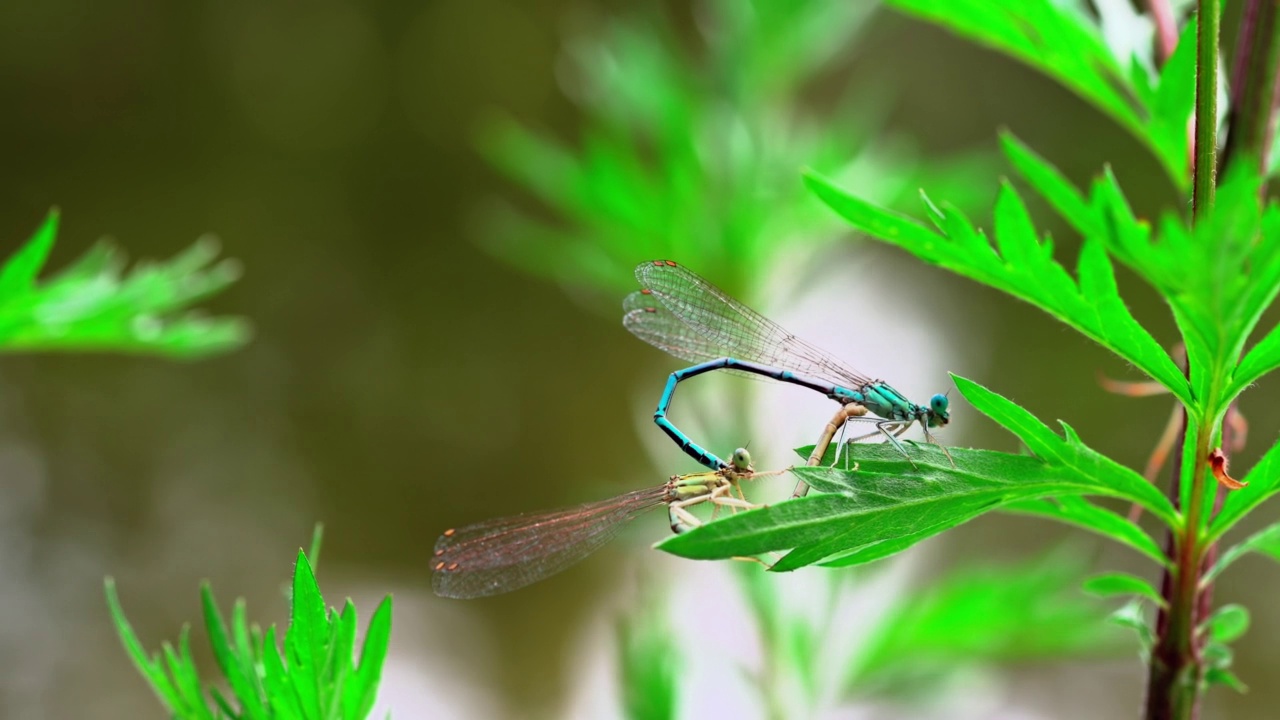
x,y
1216,266
95,305
313,675
695,154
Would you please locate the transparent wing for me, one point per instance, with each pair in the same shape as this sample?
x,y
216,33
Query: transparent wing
x,y
505,554
648,320
727,327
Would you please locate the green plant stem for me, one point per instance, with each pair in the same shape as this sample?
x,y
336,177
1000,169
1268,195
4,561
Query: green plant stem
x,y
1253,83
1206,151
1174,679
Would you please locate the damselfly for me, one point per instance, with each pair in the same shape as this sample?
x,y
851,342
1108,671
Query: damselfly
x,y
678,311
498,556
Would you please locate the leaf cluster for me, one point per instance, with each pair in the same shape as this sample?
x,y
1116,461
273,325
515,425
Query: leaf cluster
x,y
1218,277
314,675
95,304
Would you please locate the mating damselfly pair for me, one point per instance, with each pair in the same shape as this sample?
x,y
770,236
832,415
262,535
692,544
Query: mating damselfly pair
x,y
679,312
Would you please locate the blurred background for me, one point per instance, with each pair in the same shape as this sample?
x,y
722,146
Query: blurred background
x,y
438,206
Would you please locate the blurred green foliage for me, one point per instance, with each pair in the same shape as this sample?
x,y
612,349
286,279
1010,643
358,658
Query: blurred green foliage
x,y
96,305
981,617
696,153
649,661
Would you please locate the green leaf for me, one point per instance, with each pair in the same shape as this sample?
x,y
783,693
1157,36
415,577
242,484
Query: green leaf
x,y
286,700
362,689
1265,541
1069,48
1070,453
1118,583
891,546
679,146
1051,185
1259,293
339,662
148,665
1228,623
18,275
649,662
1082,513
306,638
1220,676
236,664
887,501
94,305
981,615
1132,617
1025,268
185,675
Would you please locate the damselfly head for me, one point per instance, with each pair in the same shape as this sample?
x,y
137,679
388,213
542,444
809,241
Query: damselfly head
x,y
938,415
741,460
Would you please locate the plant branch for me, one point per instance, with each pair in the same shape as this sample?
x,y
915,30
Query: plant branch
x,y
1253,83
1206,149
1176,670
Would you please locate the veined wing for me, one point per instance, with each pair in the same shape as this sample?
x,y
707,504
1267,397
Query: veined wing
x,y
730,328
653,323
497,556
649,320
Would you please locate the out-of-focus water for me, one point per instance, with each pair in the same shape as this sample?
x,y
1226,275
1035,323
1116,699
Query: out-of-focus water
x,y
402,381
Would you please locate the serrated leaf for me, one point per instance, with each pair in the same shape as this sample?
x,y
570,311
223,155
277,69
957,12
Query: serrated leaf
x,y
1118,583
1093,307
1069,453
886,500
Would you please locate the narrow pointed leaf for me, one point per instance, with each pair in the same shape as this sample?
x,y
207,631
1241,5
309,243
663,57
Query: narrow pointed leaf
x,y
18,274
